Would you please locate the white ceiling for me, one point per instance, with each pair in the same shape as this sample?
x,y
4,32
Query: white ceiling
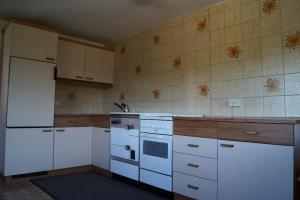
x,y
99,20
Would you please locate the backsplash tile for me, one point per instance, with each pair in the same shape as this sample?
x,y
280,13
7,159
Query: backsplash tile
x,y
201,40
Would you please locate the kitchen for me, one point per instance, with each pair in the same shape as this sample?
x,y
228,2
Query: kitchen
x,y
201,101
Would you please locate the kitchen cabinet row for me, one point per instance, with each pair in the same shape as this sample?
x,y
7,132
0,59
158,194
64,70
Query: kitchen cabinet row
x,y
75,60
32,150
211,169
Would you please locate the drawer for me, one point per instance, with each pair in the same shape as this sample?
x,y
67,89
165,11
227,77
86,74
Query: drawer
x,y
206,129
72,121
195,166
255,132
196,146
101,122
124,169
193,187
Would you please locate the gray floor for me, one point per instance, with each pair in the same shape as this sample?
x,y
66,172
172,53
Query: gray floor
x,y
25,190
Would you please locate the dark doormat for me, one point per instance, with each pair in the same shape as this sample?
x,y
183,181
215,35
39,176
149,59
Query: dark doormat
x,y
91,186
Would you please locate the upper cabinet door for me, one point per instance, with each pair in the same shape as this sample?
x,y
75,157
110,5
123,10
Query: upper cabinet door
x,y
70,60
99,65
33,43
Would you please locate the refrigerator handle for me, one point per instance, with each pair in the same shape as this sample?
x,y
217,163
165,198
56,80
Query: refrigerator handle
x,y
55,73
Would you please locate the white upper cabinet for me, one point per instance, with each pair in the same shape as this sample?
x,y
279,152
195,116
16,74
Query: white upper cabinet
x,y
33,43
99,65
70,60
82,62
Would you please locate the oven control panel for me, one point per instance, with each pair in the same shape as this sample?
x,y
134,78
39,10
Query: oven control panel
x,y
164,127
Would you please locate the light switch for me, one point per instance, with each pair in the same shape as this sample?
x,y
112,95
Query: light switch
x,y
234,103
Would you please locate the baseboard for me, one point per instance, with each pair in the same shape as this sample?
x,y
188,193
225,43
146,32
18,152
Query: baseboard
x,y
181,197
102,171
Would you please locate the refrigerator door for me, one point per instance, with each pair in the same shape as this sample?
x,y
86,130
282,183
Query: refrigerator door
x,y
31,93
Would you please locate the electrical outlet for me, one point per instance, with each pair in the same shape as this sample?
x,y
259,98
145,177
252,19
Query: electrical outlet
x,y
234,103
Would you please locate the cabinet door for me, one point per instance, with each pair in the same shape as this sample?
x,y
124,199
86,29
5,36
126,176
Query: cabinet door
x,y
70,60
250,171
28,150
100,148
33,43
72,147
99,65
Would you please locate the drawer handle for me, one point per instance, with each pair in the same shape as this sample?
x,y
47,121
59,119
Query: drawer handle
x,y
60,130
47,131
193,145
193,187
227,145
107,131
193,165
252,132
80,77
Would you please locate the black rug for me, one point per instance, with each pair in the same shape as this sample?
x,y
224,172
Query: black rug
x,y
91,186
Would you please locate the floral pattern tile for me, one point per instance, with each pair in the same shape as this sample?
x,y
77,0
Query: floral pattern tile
x,y
293,41
234,52
202,25
123,50
156,39
203,90
122,97
177,62
156,94
269,6
138,69
272,85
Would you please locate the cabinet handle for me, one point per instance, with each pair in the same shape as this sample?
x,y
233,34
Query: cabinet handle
x,y
193,187
193,145
79,77
107,131
227,145
252,132
193,165
47,131
60,130
88,78
48,58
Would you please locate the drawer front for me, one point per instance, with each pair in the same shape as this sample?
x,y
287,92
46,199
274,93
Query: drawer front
x,y
194,187
72,121
207,129
101,122
196,146
195,166
259,133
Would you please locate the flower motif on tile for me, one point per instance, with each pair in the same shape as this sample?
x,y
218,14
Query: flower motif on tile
x,y
123,49
234,52
293,41
138,69
156,39
272,85
269,6
122,97
203,90
155,94
177,61
202,25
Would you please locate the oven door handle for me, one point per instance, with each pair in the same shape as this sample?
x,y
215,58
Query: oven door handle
x,y
157,137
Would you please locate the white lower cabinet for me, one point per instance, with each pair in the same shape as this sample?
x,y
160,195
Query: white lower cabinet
x,y
28,150
100,147
194,187
72,147
248,171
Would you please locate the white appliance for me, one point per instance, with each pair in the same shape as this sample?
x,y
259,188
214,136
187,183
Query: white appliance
x,y
124,145
156,143
31,93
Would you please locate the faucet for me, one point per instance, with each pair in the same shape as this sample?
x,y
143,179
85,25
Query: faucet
x,y
124,107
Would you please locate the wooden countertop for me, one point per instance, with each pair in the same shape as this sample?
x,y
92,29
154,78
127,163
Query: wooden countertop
x,y
82,115
268,120
82,120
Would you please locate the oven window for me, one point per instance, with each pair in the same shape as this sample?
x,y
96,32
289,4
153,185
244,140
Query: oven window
x,y
157,149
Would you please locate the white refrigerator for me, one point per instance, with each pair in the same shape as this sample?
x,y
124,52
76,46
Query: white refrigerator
x,y
31,93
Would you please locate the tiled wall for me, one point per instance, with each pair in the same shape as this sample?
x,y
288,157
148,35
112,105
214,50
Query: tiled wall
x,y
73,99
193,64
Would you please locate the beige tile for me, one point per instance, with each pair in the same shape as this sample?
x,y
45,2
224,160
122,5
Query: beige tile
x,y
292,84
219,89
217,21
250,11
233,34
203,107
271,25
292,106
252,87
217,55
219,107
216,8
292,62
253,107
289,5
272,65
274,106
233,16
290,20
189,44
236,88
203,57
252,67
201,13
189,60
252,48
232,3
217,38
234,70
271,45
251,29
218,72
202,40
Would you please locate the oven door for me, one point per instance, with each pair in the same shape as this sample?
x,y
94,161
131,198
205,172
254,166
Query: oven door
x,y
156,153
